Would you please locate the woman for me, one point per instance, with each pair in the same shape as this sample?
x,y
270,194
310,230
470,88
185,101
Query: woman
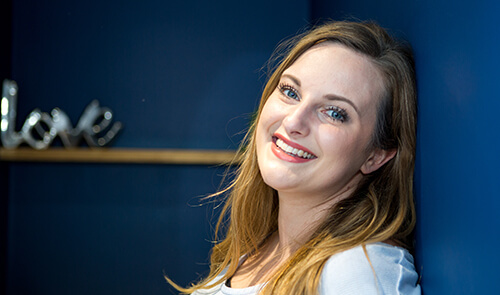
x,y
323,198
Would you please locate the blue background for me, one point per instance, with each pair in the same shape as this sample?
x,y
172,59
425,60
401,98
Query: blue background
x,y
187,74
457,180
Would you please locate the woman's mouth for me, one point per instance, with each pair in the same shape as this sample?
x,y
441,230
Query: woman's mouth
x,y
292,151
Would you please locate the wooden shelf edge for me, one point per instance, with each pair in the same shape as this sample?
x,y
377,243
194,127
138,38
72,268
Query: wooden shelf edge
x,y
119,155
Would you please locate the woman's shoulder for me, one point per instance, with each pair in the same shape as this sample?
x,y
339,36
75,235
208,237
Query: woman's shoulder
x,y
389,270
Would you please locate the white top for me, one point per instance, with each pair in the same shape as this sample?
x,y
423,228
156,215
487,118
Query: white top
x,y
350,273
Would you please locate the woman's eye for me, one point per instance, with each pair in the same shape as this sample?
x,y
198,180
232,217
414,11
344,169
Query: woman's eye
x,y
290,93
337,114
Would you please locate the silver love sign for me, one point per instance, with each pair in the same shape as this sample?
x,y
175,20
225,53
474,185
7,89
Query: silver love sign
x,y
40,129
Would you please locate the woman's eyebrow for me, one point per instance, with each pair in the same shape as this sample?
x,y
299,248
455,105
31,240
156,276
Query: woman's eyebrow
x,y
328,96
291,77
341,98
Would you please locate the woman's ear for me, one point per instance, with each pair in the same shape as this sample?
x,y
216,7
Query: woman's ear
x,y
377,159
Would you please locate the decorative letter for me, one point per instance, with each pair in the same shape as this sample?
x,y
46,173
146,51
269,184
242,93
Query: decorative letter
x,y
94,121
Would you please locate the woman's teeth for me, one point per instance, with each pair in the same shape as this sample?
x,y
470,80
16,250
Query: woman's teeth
x,y
293,151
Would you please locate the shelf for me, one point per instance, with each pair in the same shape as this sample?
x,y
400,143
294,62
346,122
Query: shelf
x,y
118,155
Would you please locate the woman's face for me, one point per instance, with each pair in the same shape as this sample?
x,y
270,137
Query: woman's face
x,y
314,131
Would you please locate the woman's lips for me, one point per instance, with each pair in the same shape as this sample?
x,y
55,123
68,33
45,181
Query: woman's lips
x,y
289,151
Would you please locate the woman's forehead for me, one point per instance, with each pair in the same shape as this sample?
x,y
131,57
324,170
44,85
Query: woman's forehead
x,y
333,67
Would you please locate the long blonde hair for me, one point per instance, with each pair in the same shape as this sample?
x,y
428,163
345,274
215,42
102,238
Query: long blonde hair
x,y
380,209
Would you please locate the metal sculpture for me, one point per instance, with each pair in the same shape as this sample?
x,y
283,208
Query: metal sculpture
x,y
40,128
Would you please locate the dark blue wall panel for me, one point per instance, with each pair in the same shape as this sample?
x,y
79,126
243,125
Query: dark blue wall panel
x,y
457,177
178,74
185,74
5,71
100,229
157,64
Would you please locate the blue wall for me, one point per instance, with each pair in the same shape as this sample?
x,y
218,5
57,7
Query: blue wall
x,y
157,64
5,70
178,74
175,74
456,49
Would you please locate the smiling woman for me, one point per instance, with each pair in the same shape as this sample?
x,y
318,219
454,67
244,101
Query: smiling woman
x,y
306,110
323,199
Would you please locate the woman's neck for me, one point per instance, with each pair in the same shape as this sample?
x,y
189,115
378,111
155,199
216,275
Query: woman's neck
x,y
300,216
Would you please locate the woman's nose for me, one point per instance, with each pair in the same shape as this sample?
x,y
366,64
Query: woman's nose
x,y
297,120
